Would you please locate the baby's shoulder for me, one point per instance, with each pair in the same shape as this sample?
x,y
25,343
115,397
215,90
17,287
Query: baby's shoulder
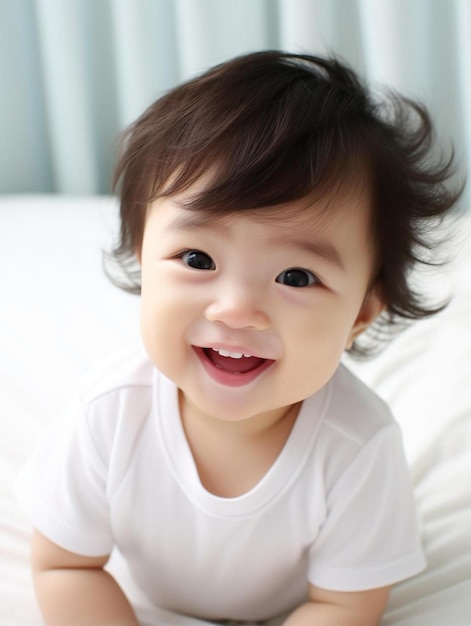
x,y
355,410
115,403
122,372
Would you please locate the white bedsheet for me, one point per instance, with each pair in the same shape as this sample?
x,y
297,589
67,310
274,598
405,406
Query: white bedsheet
x,y
59,314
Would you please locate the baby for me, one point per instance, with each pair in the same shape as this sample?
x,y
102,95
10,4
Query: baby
x,y
271,215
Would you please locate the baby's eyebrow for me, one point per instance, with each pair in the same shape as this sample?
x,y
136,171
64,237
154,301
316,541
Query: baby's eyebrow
x,y
320,248
189,219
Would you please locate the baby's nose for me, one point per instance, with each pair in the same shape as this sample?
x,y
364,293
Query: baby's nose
x,y
238,307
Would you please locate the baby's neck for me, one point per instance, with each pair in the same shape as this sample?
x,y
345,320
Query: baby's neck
x,y
233,458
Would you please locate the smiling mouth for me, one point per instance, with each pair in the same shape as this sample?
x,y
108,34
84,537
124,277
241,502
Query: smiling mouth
x,y
232,369
233,362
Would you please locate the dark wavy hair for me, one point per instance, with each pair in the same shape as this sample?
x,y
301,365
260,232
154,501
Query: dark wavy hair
x,y
278,127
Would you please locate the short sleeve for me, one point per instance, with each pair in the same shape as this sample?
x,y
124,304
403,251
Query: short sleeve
x,y
370,536
63,487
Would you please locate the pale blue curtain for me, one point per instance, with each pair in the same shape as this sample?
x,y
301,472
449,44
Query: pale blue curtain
x,y
74,73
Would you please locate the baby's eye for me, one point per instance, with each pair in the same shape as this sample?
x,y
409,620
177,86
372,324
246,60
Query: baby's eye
x,y
198,260
295,277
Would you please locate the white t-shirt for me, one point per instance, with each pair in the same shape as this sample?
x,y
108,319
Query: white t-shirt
x,y
335,509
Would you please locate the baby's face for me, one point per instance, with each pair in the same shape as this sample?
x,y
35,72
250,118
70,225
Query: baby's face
x,y
251,313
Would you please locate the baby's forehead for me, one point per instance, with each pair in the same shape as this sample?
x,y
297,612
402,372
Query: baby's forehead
x,y
324,209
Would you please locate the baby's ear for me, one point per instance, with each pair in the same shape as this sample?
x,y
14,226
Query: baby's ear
x,y
372,306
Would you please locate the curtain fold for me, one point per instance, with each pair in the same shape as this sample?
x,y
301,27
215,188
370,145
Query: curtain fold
x,y
75,73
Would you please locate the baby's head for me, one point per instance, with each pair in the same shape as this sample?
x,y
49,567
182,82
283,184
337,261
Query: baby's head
x,y
270,129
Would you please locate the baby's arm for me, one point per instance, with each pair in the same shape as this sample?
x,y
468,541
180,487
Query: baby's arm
x,y
73,590
329,608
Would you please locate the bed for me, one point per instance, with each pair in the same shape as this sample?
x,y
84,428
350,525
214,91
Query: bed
x,y
59,314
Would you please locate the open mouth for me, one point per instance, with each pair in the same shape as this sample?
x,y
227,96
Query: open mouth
x,y
233,362
232,368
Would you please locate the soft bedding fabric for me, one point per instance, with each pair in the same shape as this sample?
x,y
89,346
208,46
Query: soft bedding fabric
x,y
59,314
